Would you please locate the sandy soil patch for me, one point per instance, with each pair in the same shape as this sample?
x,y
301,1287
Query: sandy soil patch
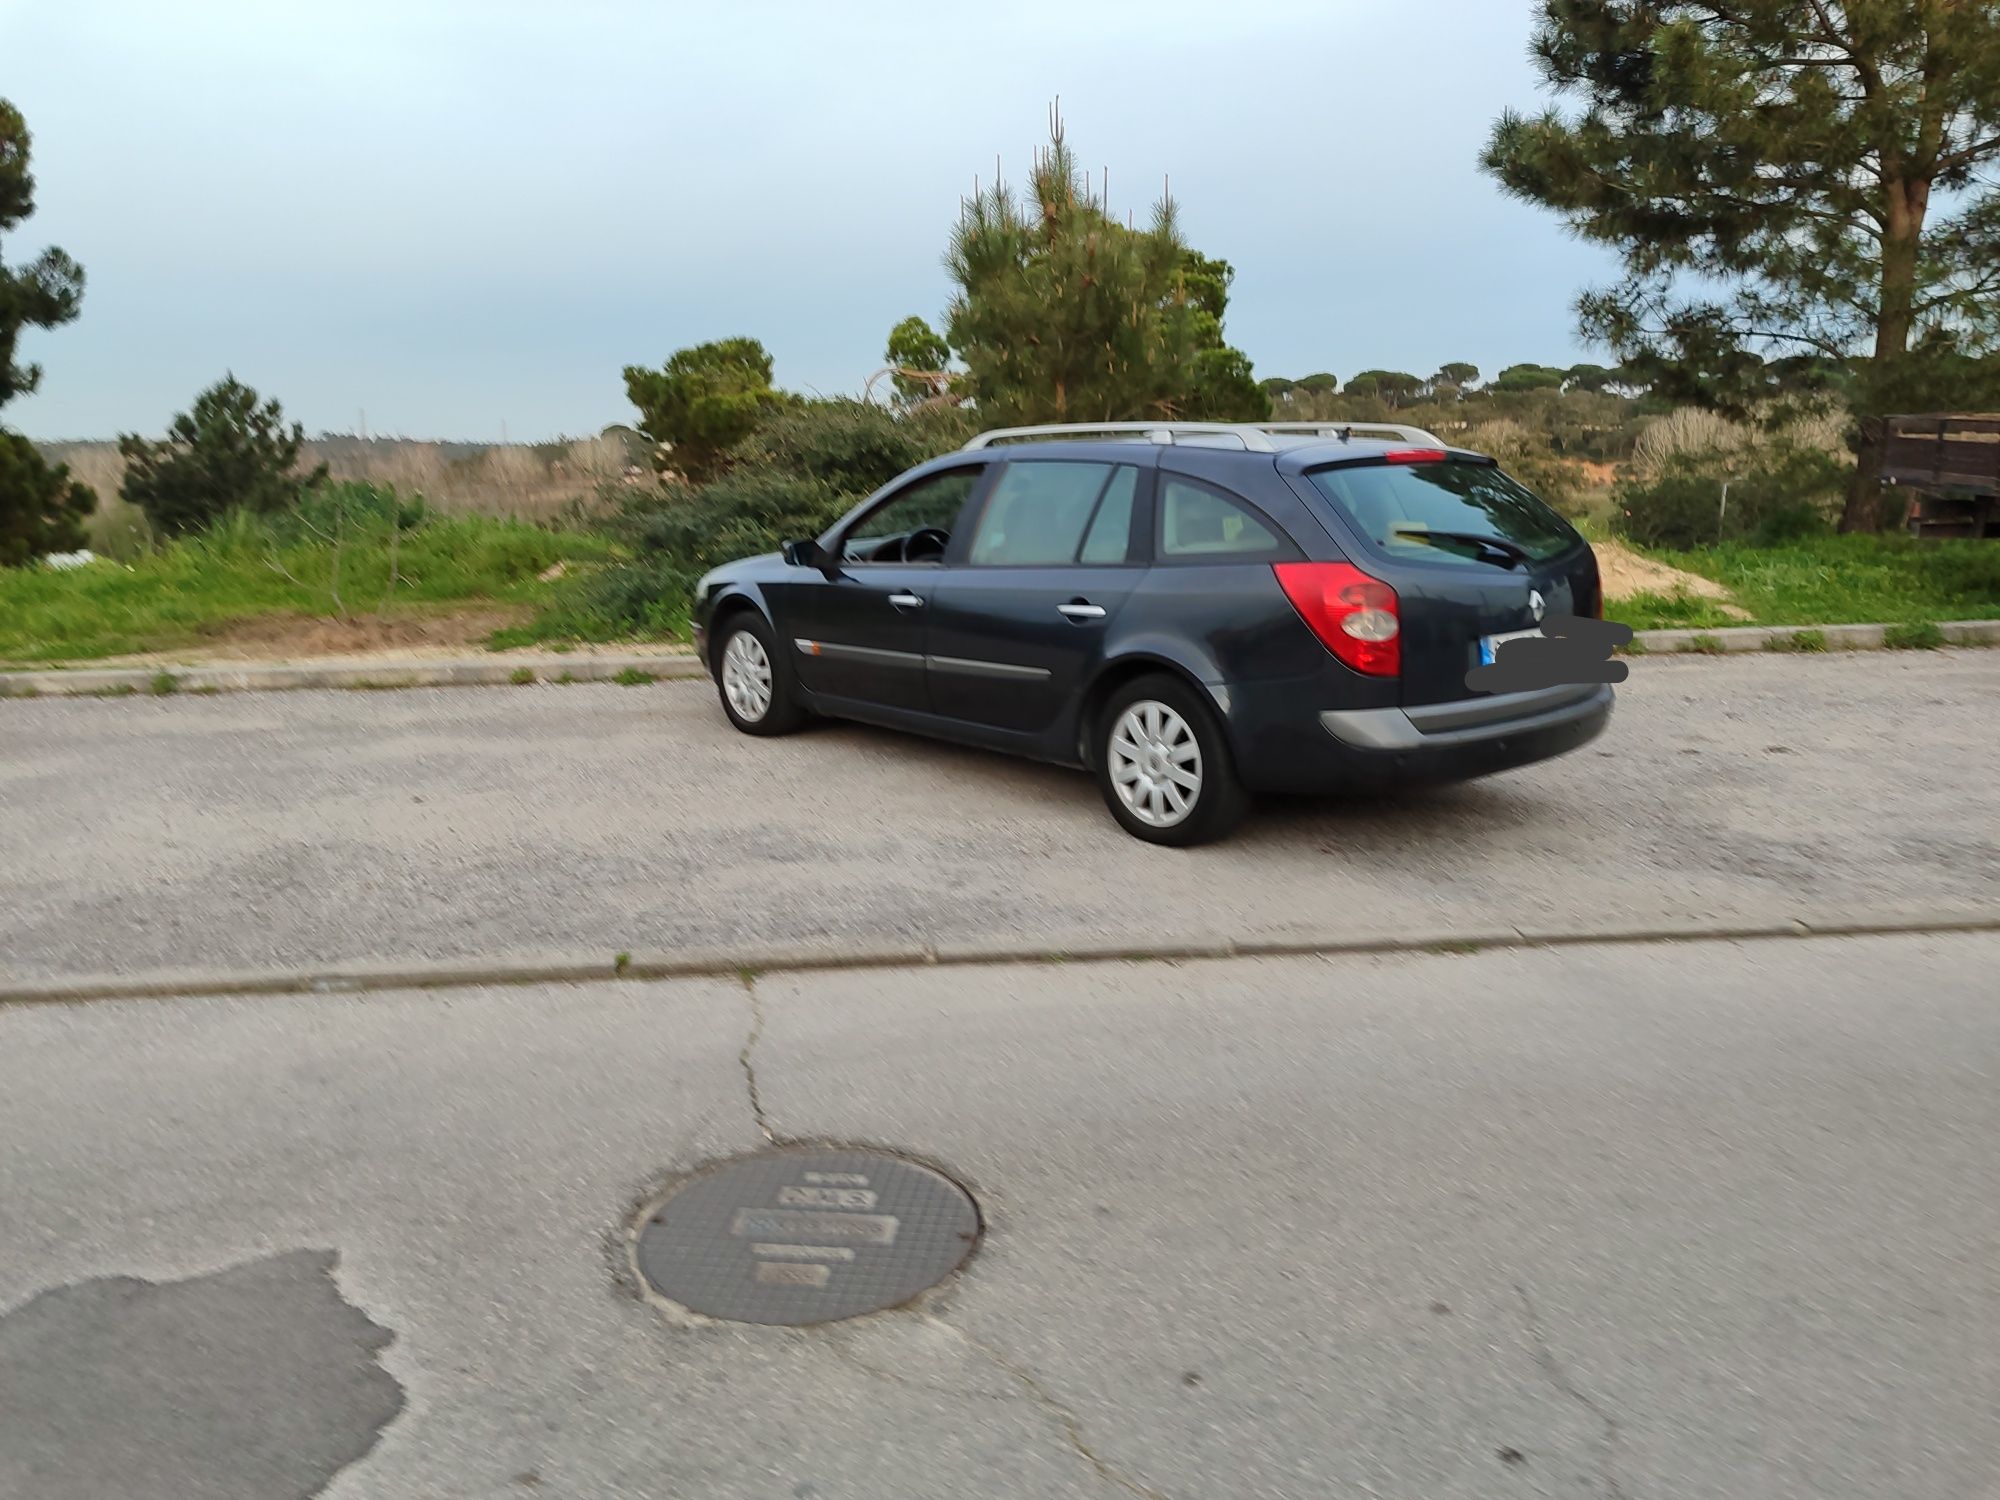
x,y
1626,573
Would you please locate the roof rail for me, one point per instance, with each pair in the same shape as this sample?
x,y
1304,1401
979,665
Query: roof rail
x,y
1253,437
1346,430
1163,433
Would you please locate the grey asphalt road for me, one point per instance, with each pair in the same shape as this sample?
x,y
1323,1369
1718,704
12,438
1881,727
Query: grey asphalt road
x,y
1692,1220
306,829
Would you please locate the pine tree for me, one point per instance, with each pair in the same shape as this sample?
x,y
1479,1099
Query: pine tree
x,y
1063,314
41,508
1778,175
230,452
46,292
702,403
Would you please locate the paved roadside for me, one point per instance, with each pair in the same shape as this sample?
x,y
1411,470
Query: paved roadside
x,y
1707,1221
403,669
302,830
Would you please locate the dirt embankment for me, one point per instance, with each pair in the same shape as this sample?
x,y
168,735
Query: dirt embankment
x,y
1627,573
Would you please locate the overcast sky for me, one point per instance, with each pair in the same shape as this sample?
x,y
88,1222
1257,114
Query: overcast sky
x,y
462,218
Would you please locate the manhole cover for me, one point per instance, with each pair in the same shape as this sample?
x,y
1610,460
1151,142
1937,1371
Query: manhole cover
x,y
806,1236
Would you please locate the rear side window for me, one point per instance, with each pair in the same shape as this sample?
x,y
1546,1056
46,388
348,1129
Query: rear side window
x,y
1040,515
1435,512
1198,522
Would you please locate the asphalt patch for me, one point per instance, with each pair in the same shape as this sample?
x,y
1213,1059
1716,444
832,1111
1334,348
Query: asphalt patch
x,y
258,1382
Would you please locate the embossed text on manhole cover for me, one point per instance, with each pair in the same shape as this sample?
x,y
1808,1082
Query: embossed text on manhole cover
x,y
806,1235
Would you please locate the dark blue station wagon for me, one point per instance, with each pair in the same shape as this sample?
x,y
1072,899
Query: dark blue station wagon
x,y
1193,612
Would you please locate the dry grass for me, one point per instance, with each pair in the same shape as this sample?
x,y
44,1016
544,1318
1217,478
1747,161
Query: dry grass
x,y
518,480
1693,431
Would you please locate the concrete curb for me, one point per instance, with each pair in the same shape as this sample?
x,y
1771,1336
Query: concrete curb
x,y
457,672
84,682
739,963
1784,637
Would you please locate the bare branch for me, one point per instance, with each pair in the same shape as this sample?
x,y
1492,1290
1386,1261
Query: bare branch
x,y
1966,156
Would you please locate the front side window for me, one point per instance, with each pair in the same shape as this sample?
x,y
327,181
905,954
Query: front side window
x,y
1045,515
1198,522
1451,512
914,526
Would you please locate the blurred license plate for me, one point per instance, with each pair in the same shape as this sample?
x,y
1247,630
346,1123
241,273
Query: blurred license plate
x,y
1489,645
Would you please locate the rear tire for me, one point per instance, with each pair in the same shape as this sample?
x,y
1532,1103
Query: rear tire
x,y
754,680
1163,766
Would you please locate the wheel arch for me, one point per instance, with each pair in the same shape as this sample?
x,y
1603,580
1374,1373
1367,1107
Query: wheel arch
x,y
737,601
1119,671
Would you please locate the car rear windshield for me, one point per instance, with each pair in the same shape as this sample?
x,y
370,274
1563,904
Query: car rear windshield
x,y
1435,511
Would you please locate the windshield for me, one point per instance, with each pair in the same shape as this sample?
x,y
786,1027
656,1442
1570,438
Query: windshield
x,y
1407,510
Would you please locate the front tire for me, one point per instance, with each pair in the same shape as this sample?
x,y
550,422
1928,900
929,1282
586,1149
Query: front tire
x,y
757,690
1163,766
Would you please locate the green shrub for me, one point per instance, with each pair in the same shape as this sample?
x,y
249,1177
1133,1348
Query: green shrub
x,y
750,511
230,452
521,676
1779,494
850,445
673,535
1705,645
42,509
1920,635
353,503
803,469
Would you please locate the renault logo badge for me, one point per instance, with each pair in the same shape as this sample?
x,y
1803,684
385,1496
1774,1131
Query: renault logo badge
x,y
1537,605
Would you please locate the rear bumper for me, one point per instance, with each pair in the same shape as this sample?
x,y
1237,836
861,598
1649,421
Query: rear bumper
x,y
1469,721
1345,748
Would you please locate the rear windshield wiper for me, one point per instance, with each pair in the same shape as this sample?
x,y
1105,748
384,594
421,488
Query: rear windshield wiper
x,y
1514,552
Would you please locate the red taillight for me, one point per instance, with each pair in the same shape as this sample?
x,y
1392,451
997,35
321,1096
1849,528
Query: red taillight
x,y
1354,616
1415,456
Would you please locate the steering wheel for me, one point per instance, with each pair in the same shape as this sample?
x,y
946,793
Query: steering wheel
x,y
926,544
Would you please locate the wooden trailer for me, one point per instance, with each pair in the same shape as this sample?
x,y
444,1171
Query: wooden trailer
x,y
1951,464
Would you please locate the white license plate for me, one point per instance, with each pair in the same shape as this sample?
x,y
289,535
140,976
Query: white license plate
x,y
1489,645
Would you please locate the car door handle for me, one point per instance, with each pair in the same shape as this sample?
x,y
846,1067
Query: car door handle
x,y
906,601
1081,610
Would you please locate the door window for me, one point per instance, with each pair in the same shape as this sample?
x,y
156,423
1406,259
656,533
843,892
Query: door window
x,y
1043,515
1198,522
1110,538
913,525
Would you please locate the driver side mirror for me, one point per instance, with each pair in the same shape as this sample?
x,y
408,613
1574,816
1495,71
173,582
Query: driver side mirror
x,y
806,554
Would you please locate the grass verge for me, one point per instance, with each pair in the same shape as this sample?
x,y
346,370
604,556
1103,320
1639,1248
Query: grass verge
x,y
1828,580
247,567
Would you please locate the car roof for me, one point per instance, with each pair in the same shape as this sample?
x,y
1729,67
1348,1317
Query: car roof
x,y
1293,452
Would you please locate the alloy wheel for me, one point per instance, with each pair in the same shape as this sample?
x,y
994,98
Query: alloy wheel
x,y
746,677
1155,764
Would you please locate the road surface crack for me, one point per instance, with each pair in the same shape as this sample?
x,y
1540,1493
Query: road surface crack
x,y
877,1372
1065,1417
1559,1377
747,1057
